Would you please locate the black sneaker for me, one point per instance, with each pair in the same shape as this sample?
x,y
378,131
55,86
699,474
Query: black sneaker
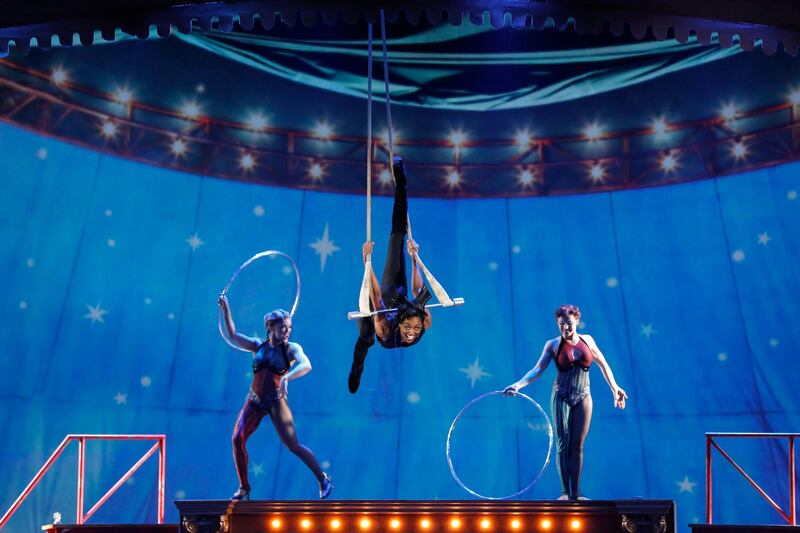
x,y
399,170
354,379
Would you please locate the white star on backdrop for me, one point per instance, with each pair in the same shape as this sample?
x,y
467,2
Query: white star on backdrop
x,y
95,313
774,342
146,381
612,282
324,247
258,469
121,398
722,356
195,242
791,195
474,372
413,397
647,330
738,256
764,238
686,485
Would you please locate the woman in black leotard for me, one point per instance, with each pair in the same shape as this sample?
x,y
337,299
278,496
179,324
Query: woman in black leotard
x,y
571,401
276,361
408,324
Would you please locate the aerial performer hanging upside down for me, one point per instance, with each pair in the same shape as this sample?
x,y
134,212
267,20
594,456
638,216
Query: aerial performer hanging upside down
x,y
405,326
571,400
276,361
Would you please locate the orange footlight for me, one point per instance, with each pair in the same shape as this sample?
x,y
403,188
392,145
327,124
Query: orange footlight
x,y
275,523
455,523
394,523
515,524
575,524
365,523
336,523
425,523
546,524
305,523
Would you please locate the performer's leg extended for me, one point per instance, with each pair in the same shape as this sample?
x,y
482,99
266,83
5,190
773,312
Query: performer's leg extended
x,y
283,421
249,418
580,419
394,270
366,338
560,411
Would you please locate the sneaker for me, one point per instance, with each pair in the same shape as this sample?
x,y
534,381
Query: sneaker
x,y
325,487
354,379
241,494
399,170
581,497
563,497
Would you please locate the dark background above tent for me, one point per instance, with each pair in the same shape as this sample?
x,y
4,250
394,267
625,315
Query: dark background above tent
x,y
774,22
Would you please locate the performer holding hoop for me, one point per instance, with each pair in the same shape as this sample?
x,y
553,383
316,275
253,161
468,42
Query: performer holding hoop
x,y
571,400
276,361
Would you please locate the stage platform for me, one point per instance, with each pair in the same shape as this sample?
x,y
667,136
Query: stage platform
x,y
414,516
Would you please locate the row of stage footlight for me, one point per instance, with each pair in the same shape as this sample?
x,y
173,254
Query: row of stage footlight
x,y
366,524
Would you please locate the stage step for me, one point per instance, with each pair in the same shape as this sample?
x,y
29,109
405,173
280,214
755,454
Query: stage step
x,y
111,528
412,516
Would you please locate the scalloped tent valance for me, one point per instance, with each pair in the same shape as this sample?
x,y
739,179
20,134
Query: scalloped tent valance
x,y
772,23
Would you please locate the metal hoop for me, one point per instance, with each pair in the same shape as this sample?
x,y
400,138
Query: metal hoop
x,y
235,274
546,460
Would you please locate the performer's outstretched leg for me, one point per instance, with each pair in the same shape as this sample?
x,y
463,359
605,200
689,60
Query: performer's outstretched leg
x,y
580,418
283,421
560,411
394,281
249,418
366,338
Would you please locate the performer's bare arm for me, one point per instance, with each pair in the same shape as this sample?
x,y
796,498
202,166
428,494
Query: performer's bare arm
x,y
238,339
381,324
619,394
534,373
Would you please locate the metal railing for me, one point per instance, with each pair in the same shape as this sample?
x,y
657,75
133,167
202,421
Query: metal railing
x,y
791,518
160,446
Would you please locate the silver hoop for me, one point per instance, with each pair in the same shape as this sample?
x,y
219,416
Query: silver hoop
x,y
546,460
235,274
